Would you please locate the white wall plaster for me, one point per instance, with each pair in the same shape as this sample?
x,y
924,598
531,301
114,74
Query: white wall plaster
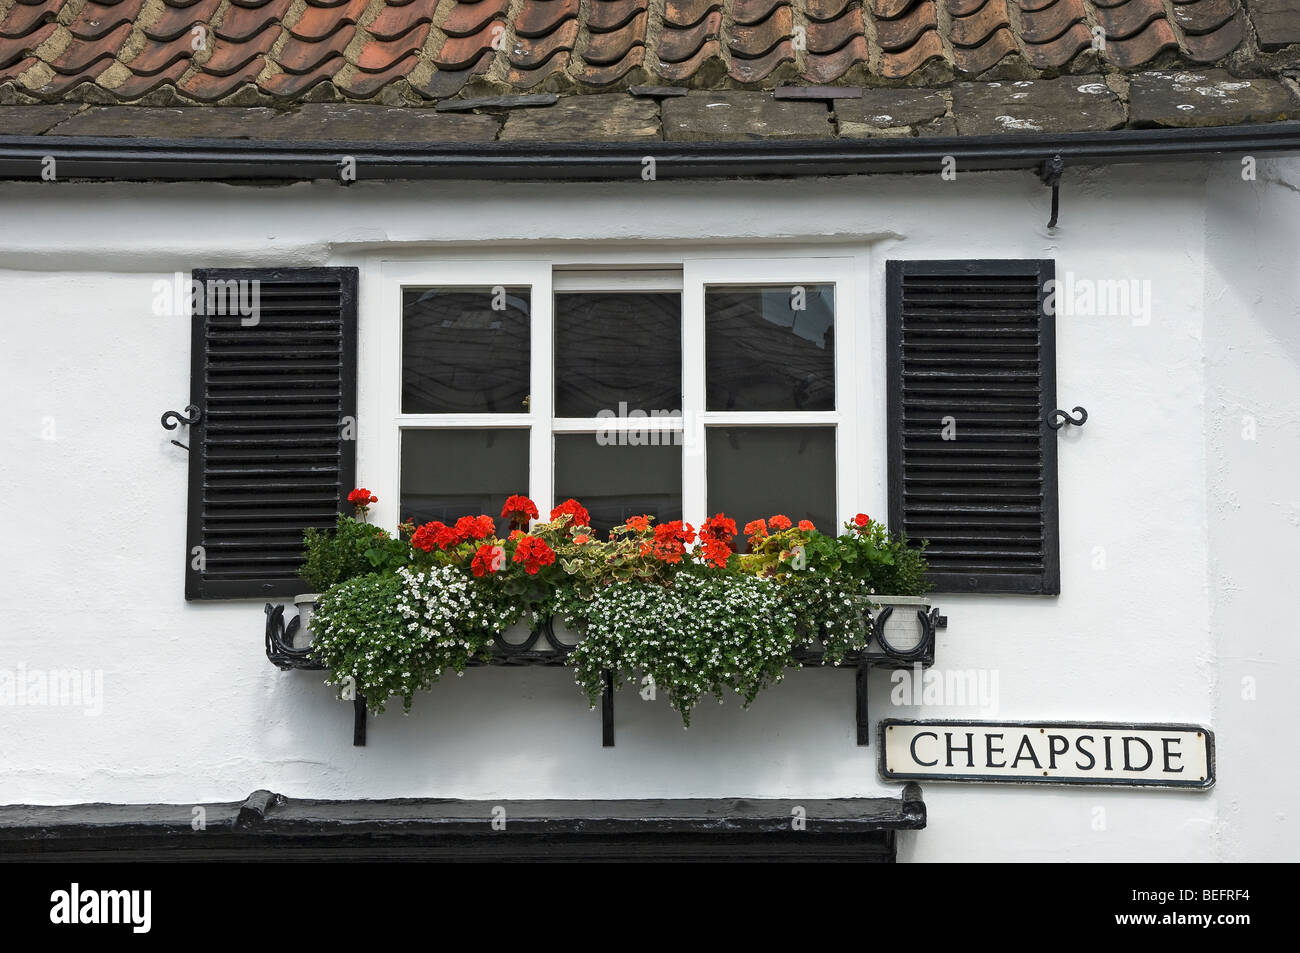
x,y
1198,529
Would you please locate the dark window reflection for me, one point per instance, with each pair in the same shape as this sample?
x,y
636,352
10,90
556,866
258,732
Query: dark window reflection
x,y
447,474
757,472
615,482
770,348
465,350
613,347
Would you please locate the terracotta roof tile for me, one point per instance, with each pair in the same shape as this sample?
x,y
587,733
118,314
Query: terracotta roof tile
x,y
678,45
1202,16
758,39
282,48
749,12
603,49
898,34
1141,47
1126,19
711,51
21,19
897,65
96,19
13,50
173,21
831,35
540,17
461,52
210,87
977,59
306,56
154,59
1059,51
532,78
240,23
608,73
1049,22
758,69
139,84
1217,43
378,56
531,52
317,23
828,67
362,84
975,28
823,10
606,15
77,59
393,21
467,19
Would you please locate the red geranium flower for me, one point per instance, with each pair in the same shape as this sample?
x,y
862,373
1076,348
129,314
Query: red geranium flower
x,y
719,528
426,536
755,529
861,520
361,498
779,522
519,509
582,538
475,527
671,539
716,552
638,523
576,510
487,560
807,525
534,554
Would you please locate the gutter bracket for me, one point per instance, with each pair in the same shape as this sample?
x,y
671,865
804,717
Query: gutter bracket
x,y
1049,173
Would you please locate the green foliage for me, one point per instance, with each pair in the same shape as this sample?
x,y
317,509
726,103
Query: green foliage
x,y
704,634
353,549
397,634
882,563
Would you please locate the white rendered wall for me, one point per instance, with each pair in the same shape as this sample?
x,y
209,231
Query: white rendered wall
x,y
93,534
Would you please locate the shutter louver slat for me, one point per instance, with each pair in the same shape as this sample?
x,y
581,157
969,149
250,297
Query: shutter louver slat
x,y
971,344
268,458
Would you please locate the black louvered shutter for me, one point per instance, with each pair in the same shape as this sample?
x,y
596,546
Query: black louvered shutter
x,y
972,462
274,451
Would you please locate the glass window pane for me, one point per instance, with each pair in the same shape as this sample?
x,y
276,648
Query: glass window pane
x,y
617,481
447,474
757,472
617,347
465,350
770,348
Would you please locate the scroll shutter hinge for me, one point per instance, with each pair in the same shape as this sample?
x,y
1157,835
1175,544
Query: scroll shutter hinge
x,y
1049,173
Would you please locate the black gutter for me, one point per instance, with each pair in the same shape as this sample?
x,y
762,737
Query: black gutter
x,y
104,158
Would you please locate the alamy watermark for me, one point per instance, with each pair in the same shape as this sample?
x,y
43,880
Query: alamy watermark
x,y
1072,296
182,297
945,688
53,688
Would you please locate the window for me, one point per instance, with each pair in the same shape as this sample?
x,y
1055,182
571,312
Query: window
x,y
681,391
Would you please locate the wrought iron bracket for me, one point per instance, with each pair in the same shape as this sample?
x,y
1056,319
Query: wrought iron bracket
x,y
1059,418
1049,173
543,647
172,419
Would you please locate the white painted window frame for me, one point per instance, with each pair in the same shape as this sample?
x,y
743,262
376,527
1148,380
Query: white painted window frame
x,y
381,364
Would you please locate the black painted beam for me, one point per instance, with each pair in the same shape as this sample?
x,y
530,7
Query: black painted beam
x,y
270,826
